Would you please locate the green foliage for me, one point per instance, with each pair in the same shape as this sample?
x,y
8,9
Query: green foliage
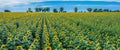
x,y
60,31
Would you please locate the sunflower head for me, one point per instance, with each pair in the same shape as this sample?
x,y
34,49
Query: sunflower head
x,y
24,37
60,44
91,42
36,40
9,39
48,48
36,34
113,45
16,37
19,47
64,48
118,48
28,31
98,48
3,46
47,44
70,42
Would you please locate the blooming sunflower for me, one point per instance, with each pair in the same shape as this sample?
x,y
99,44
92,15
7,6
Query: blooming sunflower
x,y
35,40
3,46
19,47
48,48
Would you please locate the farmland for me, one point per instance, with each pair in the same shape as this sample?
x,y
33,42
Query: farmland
x,y
60,31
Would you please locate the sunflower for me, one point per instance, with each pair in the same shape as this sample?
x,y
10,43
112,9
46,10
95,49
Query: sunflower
x,y
47,34
28,31
35,40
91,42
113,45
3,46
48,48
9,39
66,38
118,48
32,45
16,37
77,36
55,32
47,44
98,48
64,48
70,42
19,47
27,34
47,39
73,34
81,33
108,42
60,44
24,37
56,38
36,34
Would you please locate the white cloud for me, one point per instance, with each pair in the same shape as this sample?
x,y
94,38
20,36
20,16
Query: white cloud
x,y
11,3
4,3
107,0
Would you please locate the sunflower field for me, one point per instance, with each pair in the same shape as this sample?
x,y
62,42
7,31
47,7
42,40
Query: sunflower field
x,y
60,31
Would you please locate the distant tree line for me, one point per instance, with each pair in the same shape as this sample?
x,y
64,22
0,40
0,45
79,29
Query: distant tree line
x,y
101,10
46,9
61,9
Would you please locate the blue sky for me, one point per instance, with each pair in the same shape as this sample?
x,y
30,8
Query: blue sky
x,y
21,5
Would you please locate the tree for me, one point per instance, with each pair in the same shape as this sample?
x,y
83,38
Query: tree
x,y
116,11
55,10
36,9
106,10
95,10
7,11
61,9
89,9
43,10
40,9
100,10
29,10
75,9
47,9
